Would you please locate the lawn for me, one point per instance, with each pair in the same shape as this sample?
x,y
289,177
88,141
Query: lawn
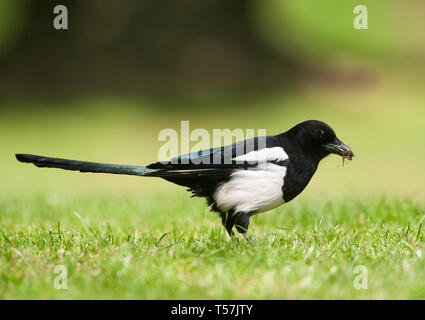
x,y
171,248
123,237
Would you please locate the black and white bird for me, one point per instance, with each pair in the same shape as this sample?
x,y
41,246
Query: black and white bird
x,y
238,180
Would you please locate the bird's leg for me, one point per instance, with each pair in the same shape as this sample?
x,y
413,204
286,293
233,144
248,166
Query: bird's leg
x,y
228,221
242,224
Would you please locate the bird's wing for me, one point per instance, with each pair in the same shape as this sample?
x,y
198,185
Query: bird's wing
x,y
221,160
202,172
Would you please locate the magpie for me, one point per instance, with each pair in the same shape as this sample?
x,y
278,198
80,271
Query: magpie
x,y
237,180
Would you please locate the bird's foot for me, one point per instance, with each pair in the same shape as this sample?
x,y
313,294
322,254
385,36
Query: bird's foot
x,y
249,239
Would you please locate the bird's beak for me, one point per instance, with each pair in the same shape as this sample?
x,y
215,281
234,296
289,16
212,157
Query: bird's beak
x,y
338,147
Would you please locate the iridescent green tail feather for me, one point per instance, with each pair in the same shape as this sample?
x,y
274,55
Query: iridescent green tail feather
x,y
83,166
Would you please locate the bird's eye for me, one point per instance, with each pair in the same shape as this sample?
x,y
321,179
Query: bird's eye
x,y
321,134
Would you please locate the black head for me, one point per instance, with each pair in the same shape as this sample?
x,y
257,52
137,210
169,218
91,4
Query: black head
x,y
318,139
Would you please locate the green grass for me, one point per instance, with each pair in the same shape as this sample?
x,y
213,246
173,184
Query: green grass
x,y
170,247
131,237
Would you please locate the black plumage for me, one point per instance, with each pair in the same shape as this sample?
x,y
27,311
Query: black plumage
x,y
238,180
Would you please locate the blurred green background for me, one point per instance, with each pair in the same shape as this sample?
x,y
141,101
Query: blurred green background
x,y
124,70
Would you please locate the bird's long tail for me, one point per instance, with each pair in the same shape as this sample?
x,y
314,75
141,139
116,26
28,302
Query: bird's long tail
x,y
83,166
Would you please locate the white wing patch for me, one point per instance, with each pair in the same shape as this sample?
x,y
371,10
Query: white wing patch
x,y
257,189
263,155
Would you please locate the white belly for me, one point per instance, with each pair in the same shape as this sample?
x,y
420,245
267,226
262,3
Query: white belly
x,y
255,190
